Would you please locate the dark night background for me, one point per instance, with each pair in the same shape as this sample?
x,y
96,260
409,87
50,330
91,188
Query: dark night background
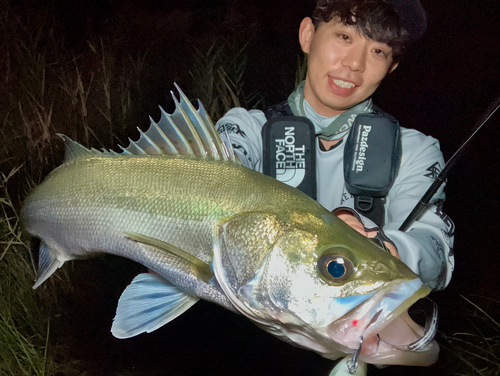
x,y
442,87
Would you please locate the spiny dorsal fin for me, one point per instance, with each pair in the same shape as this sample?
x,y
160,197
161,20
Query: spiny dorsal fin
x,y
186,131
75,150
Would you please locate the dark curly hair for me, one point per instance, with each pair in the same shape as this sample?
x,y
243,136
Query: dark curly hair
x,y
375,19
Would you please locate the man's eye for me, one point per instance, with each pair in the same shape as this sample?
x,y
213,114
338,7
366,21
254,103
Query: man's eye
x,y
344,37
380,52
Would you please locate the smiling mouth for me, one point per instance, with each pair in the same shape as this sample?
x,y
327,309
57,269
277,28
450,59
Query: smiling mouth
x,y
343,84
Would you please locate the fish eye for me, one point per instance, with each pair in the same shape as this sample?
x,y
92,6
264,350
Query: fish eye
x,y
335,267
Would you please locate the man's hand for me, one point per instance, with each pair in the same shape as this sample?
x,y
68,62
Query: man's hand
x,y
353,222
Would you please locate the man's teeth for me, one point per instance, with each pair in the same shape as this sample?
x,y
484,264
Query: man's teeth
x,y
344,84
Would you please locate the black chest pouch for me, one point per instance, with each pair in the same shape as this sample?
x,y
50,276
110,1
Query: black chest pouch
x,y
372,157
290,152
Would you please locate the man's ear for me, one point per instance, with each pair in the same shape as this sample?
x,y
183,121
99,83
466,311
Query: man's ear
x,y
306,33
392,67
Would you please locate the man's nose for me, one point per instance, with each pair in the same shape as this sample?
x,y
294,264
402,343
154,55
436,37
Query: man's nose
x,y
355,58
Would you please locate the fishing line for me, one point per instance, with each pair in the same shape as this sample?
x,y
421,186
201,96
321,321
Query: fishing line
x,y
441,178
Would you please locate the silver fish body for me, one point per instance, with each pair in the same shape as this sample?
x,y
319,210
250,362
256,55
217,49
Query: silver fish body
x,y
87,205
215,230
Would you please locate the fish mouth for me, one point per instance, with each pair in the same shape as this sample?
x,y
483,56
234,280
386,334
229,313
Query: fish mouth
x,y
383,332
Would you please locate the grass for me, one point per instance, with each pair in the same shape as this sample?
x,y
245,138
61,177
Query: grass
x,y
24,321
46,88
477,350
94,94
218,75
97,94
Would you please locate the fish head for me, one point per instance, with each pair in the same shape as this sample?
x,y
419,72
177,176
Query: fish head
x,y
318,284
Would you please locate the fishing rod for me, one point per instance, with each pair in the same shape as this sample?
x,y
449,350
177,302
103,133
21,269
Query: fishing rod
x,y
441,178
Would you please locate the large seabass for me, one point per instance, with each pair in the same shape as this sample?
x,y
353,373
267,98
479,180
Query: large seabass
x,y
179,202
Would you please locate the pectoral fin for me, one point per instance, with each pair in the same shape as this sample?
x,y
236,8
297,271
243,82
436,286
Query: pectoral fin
x,y
48,263
147,304
199,269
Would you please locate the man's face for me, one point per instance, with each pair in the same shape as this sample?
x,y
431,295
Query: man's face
x,y
344,67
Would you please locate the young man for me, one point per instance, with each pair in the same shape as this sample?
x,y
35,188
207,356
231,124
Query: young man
x,y
351,46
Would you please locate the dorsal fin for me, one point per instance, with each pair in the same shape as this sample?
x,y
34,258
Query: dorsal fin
x,y
75,150
186,131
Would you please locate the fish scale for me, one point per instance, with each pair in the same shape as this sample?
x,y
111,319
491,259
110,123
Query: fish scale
x,y
179,190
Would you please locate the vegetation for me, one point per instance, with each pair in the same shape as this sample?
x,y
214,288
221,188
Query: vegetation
x,y
477,350
97,92
24,321
219,74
